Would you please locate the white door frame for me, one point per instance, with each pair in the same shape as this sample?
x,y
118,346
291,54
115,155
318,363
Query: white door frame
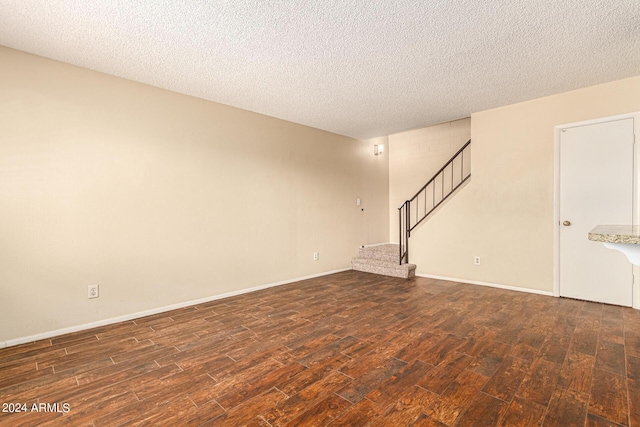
x,y
556,196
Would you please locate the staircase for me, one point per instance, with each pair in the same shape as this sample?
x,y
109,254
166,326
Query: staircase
x,y
383,259
393,259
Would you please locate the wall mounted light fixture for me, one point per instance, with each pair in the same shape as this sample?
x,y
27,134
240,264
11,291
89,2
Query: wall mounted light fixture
x,y
378,149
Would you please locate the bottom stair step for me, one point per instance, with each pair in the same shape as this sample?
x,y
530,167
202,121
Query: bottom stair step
x,y
393,269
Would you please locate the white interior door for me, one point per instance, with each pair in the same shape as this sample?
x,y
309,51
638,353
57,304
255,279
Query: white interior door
x,y
596,188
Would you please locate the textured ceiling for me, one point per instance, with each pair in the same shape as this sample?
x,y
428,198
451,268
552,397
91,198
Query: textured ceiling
x,y
357,68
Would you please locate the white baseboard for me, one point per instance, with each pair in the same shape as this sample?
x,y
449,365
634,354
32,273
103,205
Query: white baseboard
x,y
126,317
491,285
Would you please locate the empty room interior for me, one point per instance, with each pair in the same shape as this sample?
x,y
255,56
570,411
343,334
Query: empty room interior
x,y
319,214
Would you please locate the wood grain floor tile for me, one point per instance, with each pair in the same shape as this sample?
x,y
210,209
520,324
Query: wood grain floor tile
x,y
305,345
232,384
609,396
246,367
577,371
555,347
128,413
15,370
419,348
200,391
633,368
634,403
632,342
296,405
568,408
407,409
390,390
362,385
246,412
426,421
442,376
476,342
612,330
588,321
376,356
306,378
484,410
155,351
523,413
540,382
490,358
100,379
610,357
507,379
359,414
442,349
528,345
565,325
39,359
509,334
634,407
585,341
612,312
40,392
349,348
179,407
322,413
41,383
250,388
328,351
29,375
167,386
595,421
83,413
456,398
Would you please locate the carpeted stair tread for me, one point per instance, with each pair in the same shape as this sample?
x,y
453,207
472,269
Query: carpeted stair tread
x,y
382,259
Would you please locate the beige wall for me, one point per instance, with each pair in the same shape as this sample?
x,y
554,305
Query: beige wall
x,y
505,213
415,156
162,198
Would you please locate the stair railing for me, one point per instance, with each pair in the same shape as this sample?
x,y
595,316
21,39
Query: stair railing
x,y
415,210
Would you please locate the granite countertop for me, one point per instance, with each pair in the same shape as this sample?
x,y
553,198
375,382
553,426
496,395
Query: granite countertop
x,y
629,234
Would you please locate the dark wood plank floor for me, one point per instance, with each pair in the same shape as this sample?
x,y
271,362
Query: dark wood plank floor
x,y
349,349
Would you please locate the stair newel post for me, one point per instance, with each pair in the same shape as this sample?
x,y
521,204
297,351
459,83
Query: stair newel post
x,y
400,234
407,225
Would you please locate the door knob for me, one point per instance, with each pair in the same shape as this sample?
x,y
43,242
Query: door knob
x,y
566,223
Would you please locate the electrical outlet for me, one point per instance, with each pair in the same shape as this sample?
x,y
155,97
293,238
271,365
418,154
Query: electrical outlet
x,y
316,256
476,260
93,291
